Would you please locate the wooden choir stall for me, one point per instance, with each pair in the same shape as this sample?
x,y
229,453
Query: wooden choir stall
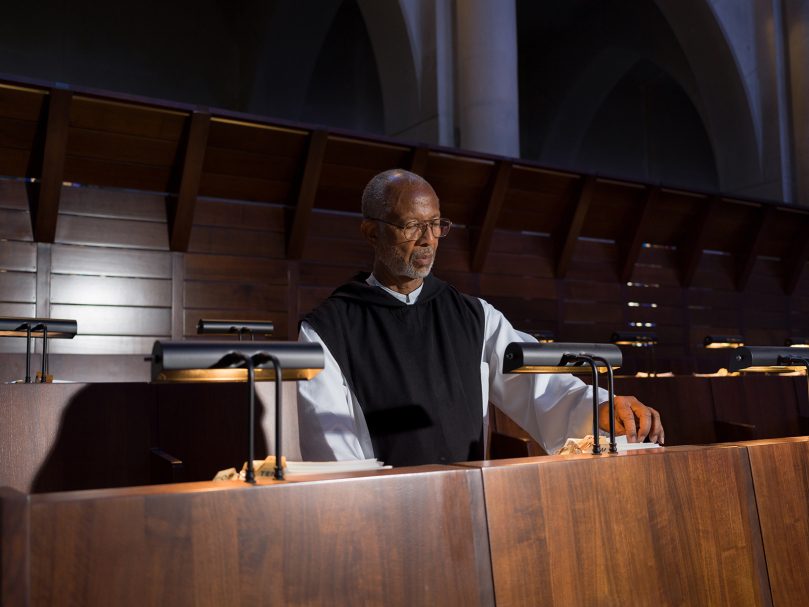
x,y
713,524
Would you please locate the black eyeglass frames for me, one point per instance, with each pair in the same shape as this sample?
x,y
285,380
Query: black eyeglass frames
x,y
413,230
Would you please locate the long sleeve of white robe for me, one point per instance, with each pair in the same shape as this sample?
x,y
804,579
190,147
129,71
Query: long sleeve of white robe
x,y
550,407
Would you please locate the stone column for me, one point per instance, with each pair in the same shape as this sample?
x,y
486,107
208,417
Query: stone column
x,y
796,18
487,92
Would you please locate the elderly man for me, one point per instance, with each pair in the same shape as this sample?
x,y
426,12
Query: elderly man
x,y
411,363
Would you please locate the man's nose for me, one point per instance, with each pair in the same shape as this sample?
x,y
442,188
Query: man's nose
x,y
427,236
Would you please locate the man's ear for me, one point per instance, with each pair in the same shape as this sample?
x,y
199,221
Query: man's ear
x,y
370,230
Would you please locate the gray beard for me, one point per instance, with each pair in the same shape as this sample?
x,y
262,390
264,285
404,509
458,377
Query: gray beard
x,y
398,266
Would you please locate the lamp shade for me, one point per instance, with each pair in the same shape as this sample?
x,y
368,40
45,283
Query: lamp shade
x,y
623,338
210,361
715,342
58,328
528,357
542,336
225,327
767,358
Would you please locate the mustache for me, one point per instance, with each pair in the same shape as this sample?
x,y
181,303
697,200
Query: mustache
x,y
424,253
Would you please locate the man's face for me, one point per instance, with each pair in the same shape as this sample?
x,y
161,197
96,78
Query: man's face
x,y
414,258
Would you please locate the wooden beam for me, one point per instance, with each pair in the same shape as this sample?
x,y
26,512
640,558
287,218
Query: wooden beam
x,y
45,209
306,194
418,160
694,242
570,230
633,244
497,194
177,295
749,249
795,262
181,214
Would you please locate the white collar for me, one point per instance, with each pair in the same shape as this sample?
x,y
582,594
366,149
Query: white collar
x,y
409,299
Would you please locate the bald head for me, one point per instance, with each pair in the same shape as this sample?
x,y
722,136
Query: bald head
x,y
384,189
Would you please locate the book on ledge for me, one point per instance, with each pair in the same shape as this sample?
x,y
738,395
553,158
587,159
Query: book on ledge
x,y
266,468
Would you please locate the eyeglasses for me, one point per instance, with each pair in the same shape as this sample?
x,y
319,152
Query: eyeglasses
x,y
413,230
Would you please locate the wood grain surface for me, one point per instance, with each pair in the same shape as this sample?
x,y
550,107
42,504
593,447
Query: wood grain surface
x,y
15,574
670,527
781,477
400,539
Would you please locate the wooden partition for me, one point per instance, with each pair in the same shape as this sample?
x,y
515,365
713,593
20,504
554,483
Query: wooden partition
x,y
412,537
722,525
781,477
673,527
705,410
59,437
138,217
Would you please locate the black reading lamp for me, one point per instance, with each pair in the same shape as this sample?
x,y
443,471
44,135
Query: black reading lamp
x,y
797,342
45,328
229,327
719,342
528,357
222,361
542,336
769,358
638,340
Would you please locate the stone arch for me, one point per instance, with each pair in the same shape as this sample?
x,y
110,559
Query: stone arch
x,y
602,42
291,47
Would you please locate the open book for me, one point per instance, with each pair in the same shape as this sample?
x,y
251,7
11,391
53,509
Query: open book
x,y
266,468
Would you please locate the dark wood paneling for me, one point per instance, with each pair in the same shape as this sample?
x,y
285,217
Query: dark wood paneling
x,y
116,320
17,134
221,162
652,515
112,174
15,529
234,296
126,118
257,138
21,102
189,545
128,152
245,188
355,252
113,204
19,256
69,259
231,241
17,309
235,269
320,274
18,287
250,216
740,400
13,195
781,477
685,405
527,287
110,291
104,344
15,225
74,229
122,148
